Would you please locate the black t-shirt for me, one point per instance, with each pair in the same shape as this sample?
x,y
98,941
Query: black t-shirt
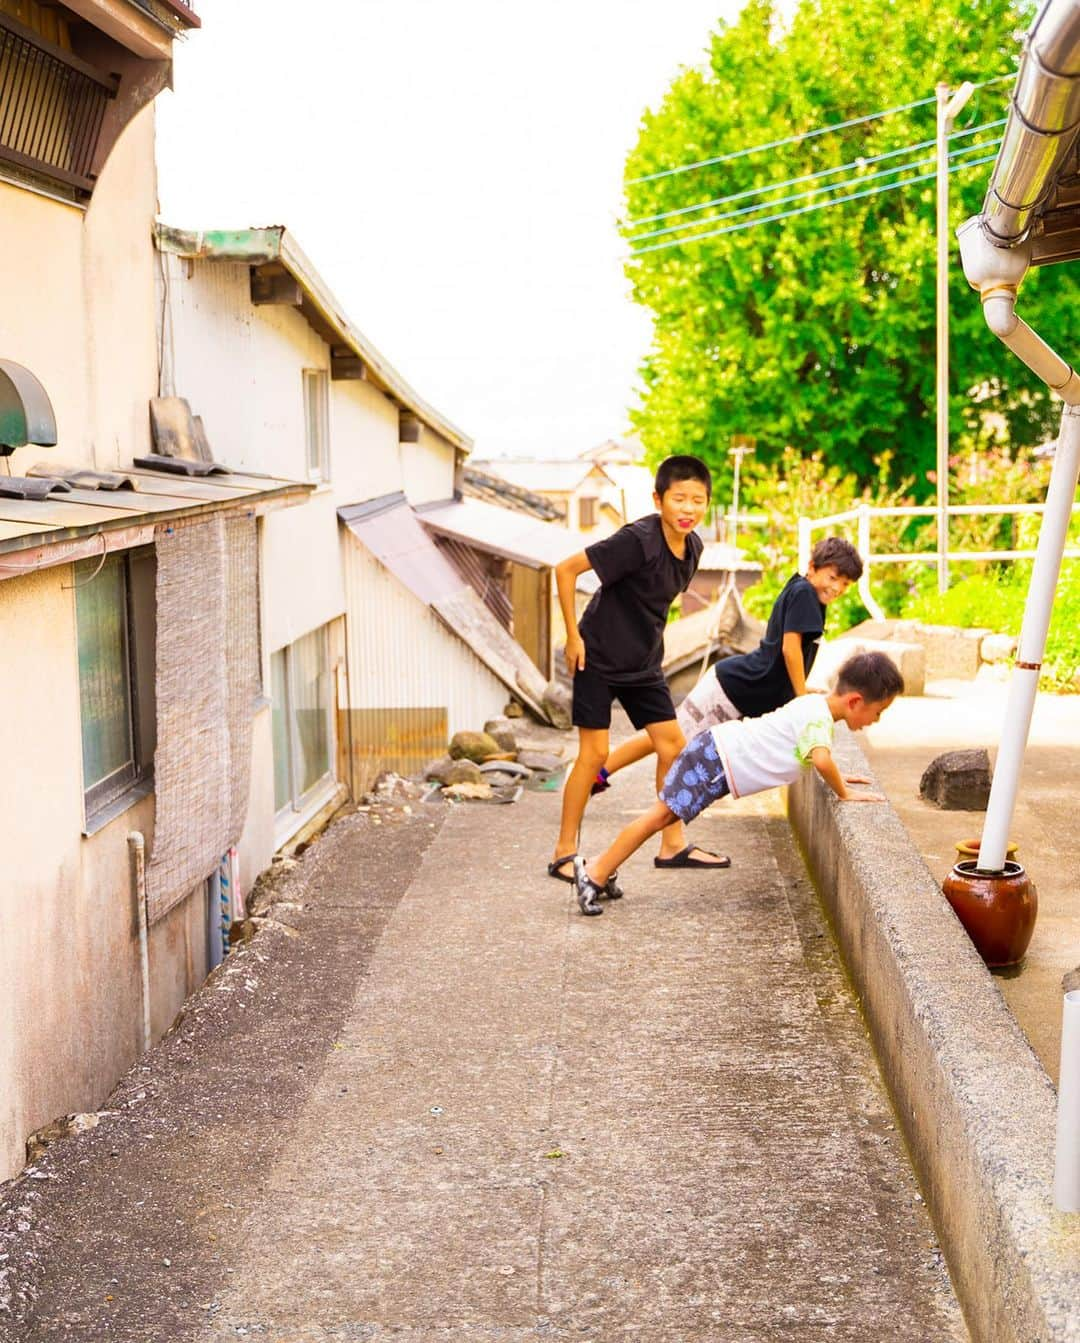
x,y
623,625
758,682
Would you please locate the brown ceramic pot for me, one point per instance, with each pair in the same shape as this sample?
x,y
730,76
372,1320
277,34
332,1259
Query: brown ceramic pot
x,y
997,909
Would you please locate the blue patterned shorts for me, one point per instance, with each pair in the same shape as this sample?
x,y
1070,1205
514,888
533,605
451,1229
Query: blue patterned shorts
x,y
695,779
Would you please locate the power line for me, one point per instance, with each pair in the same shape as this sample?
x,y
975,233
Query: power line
x,y
806,209
813,191
796,139
860,162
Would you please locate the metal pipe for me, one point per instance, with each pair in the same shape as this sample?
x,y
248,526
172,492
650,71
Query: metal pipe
x,y
1067,1157
1044,117
137,853
1029,653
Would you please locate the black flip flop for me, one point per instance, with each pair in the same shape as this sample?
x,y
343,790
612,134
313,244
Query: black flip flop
x,y
555,868
683,859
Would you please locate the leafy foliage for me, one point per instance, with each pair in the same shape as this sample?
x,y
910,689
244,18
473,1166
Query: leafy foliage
x,y
818,332
995,601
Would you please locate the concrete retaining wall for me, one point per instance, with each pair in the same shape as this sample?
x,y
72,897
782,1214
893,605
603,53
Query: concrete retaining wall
x,y
977,1109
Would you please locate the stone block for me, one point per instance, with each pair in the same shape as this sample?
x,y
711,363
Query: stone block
x,y
557,702
998,647
958,780
908,658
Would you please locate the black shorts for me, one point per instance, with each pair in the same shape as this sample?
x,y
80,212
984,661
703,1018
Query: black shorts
x,y
644,703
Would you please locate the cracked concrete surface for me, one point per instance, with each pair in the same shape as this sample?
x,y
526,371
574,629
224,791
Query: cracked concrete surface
x,y
455,1109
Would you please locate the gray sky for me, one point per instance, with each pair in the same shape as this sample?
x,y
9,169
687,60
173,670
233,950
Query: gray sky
x,y
454,173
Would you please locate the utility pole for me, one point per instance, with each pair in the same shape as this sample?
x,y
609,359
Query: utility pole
x,y
739,451
948,109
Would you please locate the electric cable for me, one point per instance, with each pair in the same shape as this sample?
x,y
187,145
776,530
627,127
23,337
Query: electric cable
x,y
858,163
804,135
813,191
806,209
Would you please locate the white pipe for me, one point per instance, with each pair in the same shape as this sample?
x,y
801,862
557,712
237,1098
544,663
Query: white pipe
x,y
1067,1160
1029,652
137,851
999,309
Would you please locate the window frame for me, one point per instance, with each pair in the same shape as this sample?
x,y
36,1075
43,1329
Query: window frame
x,y
587,503
299,802
100,798
316,397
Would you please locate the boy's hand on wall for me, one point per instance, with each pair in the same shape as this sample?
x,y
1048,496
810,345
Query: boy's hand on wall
x,y
575,653
863,797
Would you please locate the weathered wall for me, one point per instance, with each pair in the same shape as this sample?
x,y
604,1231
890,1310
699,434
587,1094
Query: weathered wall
x,y
78,304
70,992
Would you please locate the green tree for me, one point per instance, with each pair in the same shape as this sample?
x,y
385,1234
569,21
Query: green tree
x,y
818,331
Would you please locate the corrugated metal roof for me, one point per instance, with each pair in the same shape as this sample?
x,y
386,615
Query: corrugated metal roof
x,y
503,531
391,531
159,496
266,246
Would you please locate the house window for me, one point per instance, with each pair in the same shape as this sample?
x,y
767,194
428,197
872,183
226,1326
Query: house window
x,y
114,611
301,695
317,422
586,512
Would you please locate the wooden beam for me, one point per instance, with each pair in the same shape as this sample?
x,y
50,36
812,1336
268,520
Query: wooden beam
x,y
272,284
345,364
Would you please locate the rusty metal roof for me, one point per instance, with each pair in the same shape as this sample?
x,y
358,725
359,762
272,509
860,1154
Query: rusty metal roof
x,y
78,515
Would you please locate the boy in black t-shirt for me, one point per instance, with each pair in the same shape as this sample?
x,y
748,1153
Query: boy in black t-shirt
x,y
617,652
775,672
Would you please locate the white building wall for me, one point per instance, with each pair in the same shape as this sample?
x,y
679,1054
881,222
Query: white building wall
x,y
428,468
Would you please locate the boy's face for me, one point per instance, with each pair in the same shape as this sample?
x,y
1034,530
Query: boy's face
x,y
682,505
828,582
860,712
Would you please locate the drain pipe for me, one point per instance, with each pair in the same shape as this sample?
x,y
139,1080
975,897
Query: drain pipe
x,y
996,273
137,852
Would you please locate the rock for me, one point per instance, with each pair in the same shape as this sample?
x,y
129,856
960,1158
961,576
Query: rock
x,y
463,771
997,647
556,703
475,746
539,760
64,1127
514,709
503,733
509,768
958,780
439,769
471,792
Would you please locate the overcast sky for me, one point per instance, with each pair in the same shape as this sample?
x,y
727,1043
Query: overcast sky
x,y
454,173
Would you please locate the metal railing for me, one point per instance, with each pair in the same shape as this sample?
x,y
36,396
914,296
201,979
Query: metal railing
x,y
863,515
52,105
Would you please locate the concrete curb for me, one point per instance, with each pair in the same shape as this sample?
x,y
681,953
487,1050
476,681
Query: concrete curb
x,y
977,1108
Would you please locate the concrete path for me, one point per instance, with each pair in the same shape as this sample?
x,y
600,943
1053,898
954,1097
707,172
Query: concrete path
x,y
661,1124
955,715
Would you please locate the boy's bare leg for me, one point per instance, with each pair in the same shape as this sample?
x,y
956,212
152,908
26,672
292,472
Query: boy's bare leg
x,y
629,753
628,841
668,740
592,752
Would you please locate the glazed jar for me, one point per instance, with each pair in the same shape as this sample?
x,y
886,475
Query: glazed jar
x,y
997,909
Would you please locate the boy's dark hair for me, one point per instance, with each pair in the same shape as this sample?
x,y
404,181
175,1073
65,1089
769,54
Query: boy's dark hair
x,y
683,467
841,554
872,675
